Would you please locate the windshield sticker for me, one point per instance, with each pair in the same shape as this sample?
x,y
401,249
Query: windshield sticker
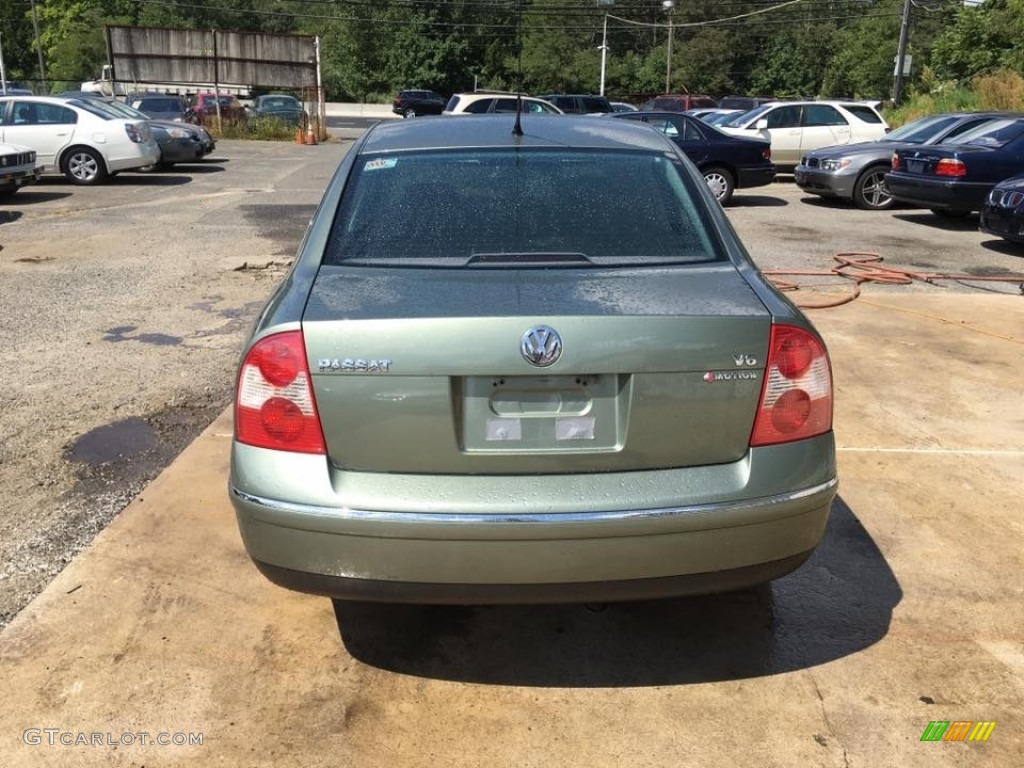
x,y
383,162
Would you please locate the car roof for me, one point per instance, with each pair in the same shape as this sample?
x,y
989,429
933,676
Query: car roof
x,y
489,131
40,99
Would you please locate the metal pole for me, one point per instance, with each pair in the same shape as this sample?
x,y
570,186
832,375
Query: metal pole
x,y
216,79
668,61
39,46
321,102
669,6
3,72
604,51
901,54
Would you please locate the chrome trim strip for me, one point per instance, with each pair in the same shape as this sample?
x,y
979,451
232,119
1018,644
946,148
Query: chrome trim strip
x,y
375,516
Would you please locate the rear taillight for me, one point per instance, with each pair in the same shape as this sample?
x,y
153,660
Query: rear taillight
x,y
134,132
796,400
950,167
895,162
274,405
766,153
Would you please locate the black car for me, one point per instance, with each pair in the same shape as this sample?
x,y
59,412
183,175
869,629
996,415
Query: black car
x,y
579,103
280,106
415,102
727,162
1003,211
955,179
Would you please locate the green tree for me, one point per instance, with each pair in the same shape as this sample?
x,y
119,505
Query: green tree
x,y
980,40
861,65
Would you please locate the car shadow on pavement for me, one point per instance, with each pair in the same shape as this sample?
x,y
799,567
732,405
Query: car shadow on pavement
x,y
744,200
949,223
148,180
838,603
196,168
1004,247
34,195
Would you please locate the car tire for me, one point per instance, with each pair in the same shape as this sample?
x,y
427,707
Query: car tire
x,y
720,182
870,192
409,112
8,191
83,166
951,213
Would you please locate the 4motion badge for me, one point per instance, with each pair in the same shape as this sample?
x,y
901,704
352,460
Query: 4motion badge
x,y
715,376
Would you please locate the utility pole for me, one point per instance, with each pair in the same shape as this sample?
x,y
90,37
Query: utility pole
x,y
604,42
39,44
604,52
670,7
901,54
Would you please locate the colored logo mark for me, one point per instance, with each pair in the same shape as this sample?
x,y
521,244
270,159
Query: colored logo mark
x,y
958,730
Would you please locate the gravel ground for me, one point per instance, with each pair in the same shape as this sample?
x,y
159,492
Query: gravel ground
x,y
122,312
121,317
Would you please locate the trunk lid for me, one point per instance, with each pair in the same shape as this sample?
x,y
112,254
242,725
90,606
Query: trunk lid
x,y
422,370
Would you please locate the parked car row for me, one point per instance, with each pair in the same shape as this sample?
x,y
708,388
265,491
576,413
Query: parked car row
x,y
857,171
89,138
951,163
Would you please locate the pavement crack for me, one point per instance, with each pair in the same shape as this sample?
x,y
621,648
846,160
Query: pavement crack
x,y
828,723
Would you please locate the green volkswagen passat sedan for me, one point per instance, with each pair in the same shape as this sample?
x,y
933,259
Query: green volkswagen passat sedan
x,y
528,368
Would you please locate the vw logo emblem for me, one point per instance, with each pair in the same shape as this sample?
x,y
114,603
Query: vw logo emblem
x,y
541,346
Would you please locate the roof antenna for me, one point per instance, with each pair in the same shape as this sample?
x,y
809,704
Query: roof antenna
x,y
517,127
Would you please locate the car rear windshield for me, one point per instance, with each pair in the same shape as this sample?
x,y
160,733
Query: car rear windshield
x,y
458,207
864,112
993,134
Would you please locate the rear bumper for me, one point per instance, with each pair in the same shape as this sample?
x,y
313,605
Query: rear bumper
x,y
530,594
520,552
132,156
934,193
755,176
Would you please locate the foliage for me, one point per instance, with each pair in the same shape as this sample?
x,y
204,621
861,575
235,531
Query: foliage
x,y
860,67
792,64
260,128
372,49
1002,90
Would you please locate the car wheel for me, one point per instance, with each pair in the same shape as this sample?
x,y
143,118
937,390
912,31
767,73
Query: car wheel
x,y
951,213
409,112
82,165
870,191
721,183
8,191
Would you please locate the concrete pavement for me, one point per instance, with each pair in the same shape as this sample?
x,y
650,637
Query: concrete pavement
x,y
911,611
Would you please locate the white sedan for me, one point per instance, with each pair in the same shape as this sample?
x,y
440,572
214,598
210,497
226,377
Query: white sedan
x,y
797,127
75,138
